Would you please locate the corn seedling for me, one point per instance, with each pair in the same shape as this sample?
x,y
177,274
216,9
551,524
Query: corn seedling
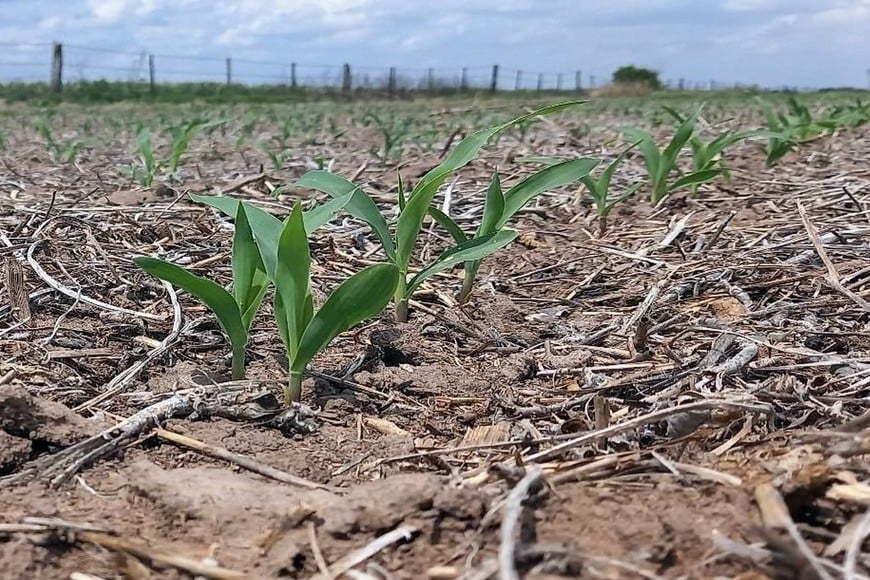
x,y
277,157
599,189
393,133
788,130
500,207
661,163
708,156
235,310
413,210
305,332
182,135
149,166
254,260
64,151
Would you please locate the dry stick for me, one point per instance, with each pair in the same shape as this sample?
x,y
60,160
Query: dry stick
x,y
240,460
119,383
775,515
189,565
359,556
632,424
832,277
643,308
322,566
739,360
48,279
858,537
722,225
510,522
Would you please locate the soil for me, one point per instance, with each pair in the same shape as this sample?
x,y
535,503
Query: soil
x,y
432,428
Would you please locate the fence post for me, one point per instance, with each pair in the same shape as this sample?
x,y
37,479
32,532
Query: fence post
x,y
430,80
540,82
493,86
463,81
578,82
559,82
57,68
518,83
346,82
391,83
229,71
152,87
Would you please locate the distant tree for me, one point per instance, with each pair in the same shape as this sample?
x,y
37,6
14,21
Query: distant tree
x,y
634,75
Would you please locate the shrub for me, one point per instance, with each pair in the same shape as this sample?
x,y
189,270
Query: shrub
x,y
634,75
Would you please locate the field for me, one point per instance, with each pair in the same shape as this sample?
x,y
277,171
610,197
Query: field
x,y
676,391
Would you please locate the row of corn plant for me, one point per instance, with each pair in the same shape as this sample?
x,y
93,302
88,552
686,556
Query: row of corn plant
x,y
269,252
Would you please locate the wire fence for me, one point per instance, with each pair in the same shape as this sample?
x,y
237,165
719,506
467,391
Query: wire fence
x,y
58,64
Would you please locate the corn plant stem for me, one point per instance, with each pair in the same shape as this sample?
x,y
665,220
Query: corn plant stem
x,y
238,364
401,298
471,269
401,309
293,390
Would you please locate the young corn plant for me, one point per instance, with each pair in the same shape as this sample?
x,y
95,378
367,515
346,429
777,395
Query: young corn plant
x,y
788,130
64,150
278,156
708,156
305,332
661,163
599,189
500,207
393,133
414,208
182,135
149,165
254,263
234,309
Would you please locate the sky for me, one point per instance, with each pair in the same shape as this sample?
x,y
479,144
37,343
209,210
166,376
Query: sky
x,y
798,43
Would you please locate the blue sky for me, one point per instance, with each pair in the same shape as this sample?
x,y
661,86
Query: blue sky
x,y
804,43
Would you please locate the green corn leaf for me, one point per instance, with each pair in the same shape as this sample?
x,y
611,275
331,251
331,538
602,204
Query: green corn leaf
x,y
679,117
362,296
411,219
493,207
470,251
682,135
607,174
266,227
401,191
648,148
468,148
446,222
548,178
323,213
281,320
696,178
248,287
216,298
292,280
620,198
592,186
360,206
